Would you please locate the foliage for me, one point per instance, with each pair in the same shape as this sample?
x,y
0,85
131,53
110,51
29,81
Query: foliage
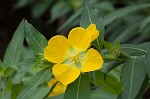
x,y
24,73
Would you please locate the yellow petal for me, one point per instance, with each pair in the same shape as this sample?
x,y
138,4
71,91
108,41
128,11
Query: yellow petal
x,y
91,61
57,49
79,39
65,74
59,88
92,31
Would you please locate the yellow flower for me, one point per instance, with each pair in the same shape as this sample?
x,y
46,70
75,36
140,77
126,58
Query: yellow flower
x,y
59,88
72,55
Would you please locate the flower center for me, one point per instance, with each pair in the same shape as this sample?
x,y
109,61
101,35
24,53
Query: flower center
x,y
75,58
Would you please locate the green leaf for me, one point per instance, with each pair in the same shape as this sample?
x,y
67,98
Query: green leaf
x,y
129,32
112,85
8,71
114,49
132,49
89,16
56,97
6,90
26,53
79,89
30,87
101,94
145,46
115,73
39,8
141,91
22,3
1,71
108,46
119,96
51,89
40,93
132,77
27,64
15,46
122,12
144,23
69,20
136,50
35,39
147,63
110,67
138,28
143,87
117,44
8,86
58,10
16,88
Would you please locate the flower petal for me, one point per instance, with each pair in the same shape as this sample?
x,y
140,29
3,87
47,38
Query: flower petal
x,y
92,31
91,61
79,39
57,48
66,74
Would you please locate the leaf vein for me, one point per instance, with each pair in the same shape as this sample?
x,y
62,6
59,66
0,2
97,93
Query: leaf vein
x,y
135,48
14,51
131,77
88,14
35,84
34,38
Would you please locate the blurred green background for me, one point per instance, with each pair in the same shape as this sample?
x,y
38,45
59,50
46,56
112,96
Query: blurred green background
x,y
53,17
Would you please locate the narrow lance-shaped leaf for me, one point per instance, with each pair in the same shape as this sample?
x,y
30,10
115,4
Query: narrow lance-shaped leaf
x,y
144,23
40,93
15,46
147,63
58,10
35,39
89,16
129,32
79,89
132,77
69,20
30,87
122,12
40,7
